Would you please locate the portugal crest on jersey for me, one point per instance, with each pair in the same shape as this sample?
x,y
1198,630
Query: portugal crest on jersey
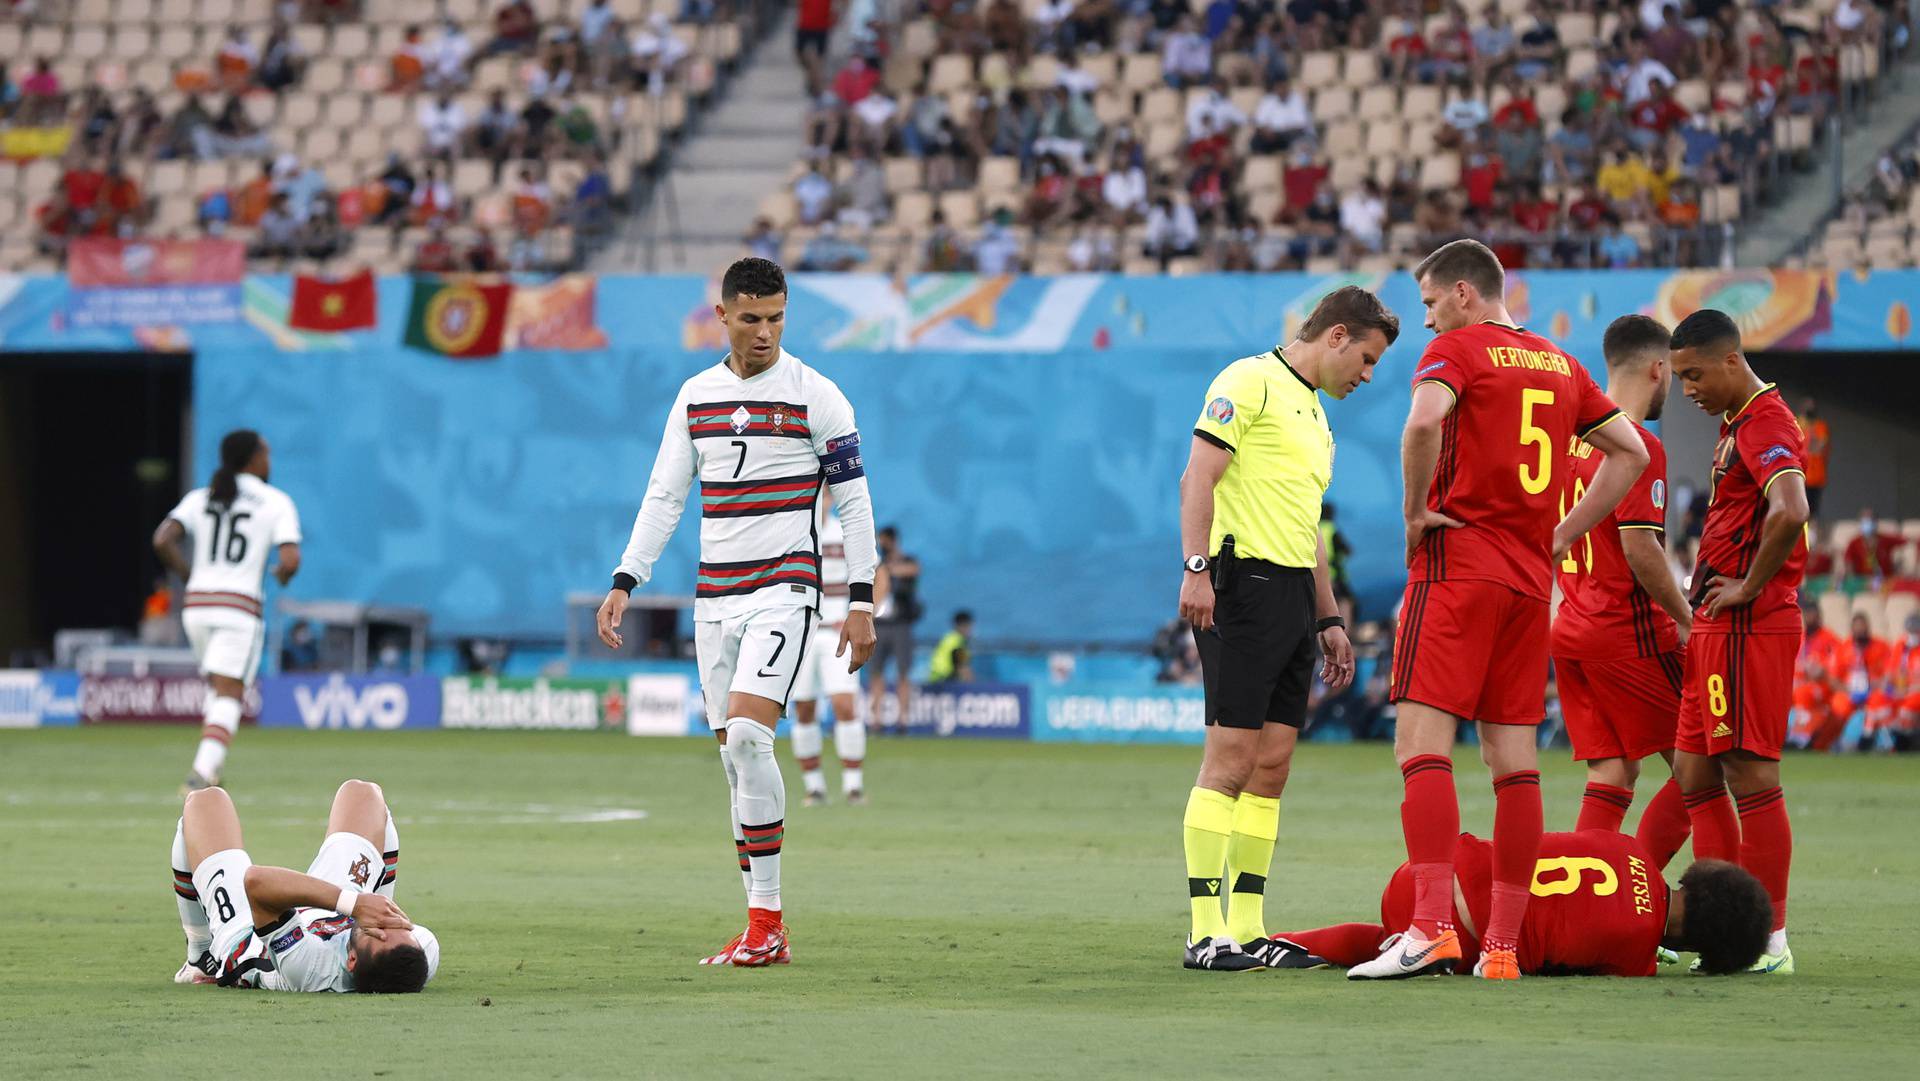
x,y
360,872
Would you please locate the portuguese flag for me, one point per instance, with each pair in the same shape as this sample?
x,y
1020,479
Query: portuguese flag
x,y
332,305
458,317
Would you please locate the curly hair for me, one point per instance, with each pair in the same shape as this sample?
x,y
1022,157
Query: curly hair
x,y
1728,916
753,277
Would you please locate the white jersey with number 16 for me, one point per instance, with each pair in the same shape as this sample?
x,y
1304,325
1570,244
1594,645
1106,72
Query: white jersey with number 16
x,y
232,544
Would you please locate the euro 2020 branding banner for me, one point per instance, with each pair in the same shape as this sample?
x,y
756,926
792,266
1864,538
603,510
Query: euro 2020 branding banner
x,y
1119,713
35,699
143,283
355,703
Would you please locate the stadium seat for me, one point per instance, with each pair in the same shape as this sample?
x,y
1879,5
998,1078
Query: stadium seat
x,y
1319,69
999,177
1141,72
1910,529
1874,607
904,174
950,73
911,210
1379,102
961,208
1899,607
1332,103
1834,611
1440,172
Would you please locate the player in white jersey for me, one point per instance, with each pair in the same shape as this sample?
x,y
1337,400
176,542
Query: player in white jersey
x,y
232,525
761,432
335,928
822,673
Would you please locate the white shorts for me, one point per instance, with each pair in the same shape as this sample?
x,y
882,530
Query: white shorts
x,y
823,675
228,643
760,653
349,861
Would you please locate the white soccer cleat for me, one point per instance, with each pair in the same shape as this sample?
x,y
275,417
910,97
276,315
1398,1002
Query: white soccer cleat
x,y
189,974
1406,955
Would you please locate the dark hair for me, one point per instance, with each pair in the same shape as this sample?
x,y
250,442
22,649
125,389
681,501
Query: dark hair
x,y
1706,329
753,277
1727,917
401,970
1355,308
1465,261
236,450
963,616
1631,337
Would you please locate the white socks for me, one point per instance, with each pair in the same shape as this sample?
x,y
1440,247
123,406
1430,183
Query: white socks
x,y
193,918
760,802
850,743
390,858
806,751
222,720
733,815
1777,942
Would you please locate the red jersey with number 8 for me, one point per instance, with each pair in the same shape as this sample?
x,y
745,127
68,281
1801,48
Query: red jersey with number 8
x,y
1604,614
1759,443
1519,403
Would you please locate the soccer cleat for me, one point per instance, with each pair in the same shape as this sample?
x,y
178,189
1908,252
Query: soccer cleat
x,y
1219,955
765,943
1665,956
195,783
1278,953
199,970
1406,955
1497,965
1774,964
725,956
814,799
855,798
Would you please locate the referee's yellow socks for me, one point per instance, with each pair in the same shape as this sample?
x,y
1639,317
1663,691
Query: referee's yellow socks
x,y
1208,829
1256,824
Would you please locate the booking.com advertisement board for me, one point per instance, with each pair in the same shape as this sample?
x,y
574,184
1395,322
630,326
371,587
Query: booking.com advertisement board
x,y
967,710
33,699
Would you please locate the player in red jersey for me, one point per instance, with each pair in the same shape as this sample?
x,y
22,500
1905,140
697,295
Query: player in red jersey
x,y
1600,908
1746,629
1494,409
1618,634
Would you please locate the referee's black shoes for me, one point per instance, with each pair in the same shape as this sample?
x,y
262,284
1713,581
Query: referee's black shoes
x,y
1220,955
1280,953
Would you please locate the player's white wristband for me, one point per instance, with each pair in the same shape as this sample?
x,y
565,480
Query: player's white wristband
x,y
344,905
860,606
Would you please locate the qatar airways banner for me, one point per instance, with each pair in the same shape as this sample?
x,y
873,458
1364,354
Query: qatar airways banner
x,y
142,283
151,699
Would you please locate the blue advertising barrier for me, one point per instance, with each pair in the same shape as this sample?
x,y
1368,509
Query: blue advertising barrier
x,y
381,703
1119,713
967,710
36,699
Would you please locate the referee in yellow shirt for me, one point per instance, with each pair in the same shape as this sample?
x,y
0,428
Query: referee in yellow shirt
x,y
1258,595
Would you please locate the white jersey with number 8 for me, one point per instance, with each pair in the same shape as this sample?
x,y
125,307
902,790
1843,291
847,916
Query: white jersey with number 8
x,y
233,544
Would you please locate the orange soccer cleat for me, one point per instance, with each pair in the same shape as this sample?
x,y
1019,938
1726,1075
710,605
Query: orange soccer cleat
x,y
765,942
1497,965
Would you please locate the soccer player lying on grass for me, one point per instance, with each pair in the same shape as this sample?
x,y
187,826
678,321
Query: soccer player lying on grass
x,y
334,928
1599,908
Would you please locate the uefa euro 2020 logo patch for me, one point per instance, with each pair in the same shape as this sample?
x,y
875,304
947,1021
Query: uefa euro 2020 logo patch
x,y
1221,410
1659,495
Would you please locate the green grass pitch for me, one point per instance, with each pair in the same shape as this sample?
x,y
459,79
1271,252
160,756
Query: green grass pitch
x,y
998,910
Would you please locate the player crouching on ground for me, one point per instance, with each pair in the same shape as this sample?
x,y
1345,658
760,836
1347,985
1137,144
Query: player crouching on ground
x,y
1600,908
334,928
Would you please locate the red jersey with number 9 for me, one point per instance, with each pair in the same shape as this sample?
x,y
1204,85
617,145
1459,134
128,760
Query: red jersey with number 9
x,y
1759,443
1598,904
1604,614
1519,402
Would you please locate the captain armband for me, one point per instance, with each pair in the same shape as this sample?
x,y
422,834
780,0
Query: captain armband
x,y
841,461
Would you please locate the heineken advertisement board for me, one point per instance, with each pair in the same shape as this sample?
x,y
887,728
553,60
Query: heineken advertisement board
x,y
583,705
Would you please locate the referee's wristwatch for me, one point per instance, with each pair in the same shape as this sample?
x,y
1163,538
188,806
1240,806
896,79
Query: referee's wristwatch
x,y
1197,564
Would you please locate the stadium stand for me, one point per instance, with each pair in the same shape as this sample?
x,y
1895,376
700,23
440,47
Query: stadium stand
x,y
380,134
1186,135
1880,225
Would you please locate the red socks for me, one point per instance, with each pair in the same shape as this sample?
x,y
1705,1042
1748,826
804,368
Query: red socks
x,y
1603,807
1517,826
1664,825
1716,832
1766,845
1345,944
1430,818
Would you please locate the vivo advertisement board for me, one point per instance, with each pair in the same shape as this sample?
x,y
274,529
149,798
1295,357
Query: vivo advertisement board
x,y
352,703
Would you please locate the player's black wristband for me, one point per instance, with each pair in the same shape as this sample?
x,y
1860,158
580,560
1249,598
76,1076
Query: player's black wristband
x,y
624,582
860,592
1328,623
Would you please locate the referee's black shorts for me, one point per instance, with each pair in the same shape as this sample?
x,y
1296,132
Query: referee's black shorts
x,y
1257,661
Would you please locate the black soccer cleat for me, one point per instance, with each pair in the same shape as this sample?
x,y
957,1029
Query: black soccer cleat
x,y
1219,955
1280,953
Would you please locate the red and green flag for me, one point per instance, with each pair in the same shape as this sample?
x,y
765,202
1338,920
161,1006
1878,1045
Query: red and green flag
x,y
458,317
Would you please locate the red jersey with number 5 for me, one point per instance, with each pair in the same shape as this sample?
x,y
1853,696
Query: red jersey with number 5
x,y
1518,403
1759,443
1604,614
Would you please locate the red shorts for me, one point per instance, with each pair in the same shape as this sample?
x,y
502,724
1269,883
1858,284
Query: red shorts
x,y
1477,650
1737,693
1620,709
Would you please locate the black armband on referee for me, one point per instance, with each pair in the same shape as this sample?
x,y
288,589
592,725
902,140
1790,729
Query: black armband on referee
x,y
1328,623
624,582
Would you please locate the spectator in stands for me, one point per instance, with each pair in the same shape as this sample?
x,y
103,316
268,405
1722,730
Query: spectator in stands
x,y
1281,117
251,199
407,67
231,135
1618,248
516,29
123,209
494,134
95,120
1186,59
1493,44
1093,251
763,241
929,134
1869,557
142,128
1519,147
9,91
1655,116
55,226
1463,118
997,252
579,129
1363,215
532,202
327,11
536,121
1179,658
1006,29
1049,200
1436,219
1450,56
432,202
1640,71
1211,113
595,19
942,253
1587,211
301,653
442,122
42,102
1300,181
1068,128
1538,53
397,184
1569,153
874,121
1210,190
855,81
435,254
1819,439
282,61
1123,191
448,55
278,236
235,61
812,27
551,75
592,205
658,54
813,194
323,236
1171,230
1672,44
1406,51
827,251
1624,178
863,197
